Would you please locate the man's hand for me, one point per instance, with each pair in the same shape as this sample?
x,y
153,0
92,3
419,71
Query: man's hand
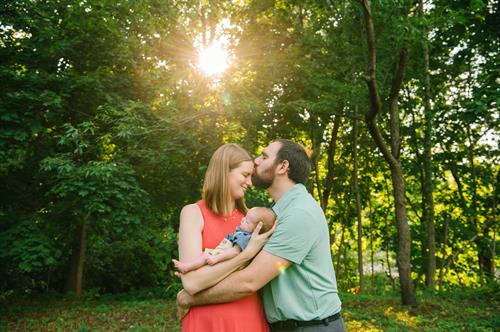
x,y
257,241
182,304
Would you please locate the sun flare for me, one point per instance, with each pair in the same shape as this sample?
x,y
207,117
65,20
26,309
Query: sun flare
x,y
212,60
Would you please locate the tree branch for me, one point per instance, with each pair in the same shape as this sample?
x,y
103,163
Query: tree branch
x,y
375,104
393,102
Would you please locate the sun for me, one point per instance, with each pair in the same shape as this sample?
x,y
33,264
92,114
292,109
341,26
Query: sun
x,y
212,60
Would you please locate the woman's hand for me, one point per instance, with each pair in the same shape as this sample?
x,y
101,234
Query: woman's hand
x,y
257,241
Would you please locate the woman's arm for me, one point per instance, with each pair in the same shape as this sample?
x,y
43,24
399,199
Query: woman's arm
x,y
190,229
190,248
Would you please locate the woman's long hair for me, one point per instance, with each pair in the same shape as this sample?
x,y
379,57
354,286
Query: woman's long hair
x,y
216,190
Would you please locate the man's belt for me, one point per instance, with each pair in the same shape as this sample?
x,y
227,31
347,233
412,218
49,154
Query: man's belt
x,y
293,324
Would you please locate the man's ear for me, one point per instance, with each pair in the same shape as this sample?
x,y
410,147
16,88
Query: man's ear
x,y
283,167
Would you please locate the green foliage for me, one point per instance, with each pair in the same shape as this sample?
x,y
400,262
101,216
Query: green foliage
x,y
27,253
105,118
122,265
91,188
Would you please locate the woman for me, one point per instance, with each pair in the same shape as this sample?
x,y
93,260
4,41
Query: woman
x,y
203,225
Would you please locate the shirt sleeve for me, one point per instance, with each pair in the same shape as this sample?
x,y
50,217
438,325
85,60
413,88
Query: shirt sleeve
x,y
294,236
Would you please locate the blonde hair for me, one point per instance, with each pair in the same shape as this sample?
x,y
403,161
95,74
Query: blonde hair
x,y
216,190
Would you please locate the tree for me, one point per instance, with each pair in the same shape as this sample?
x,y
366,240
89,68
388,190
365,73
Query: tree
x,y
427,189
392,157
92,193
357,198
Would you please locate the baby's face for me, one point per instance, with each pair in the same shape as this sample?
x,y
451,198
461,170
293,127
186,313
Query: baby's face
x,y
247,225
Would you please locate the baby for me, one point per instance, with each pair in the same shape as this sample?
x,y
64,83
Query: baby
x,y
233,243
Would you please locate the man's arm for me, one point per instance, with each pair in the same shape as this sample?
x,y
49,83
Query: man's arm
x,y
261,270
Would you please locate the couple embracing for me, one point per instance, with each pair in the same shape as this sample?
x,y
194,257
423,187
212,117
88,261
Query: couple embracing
x,y
288,263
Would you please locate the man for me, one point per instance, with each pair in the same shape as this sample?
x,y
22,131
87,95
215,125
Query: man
x,y
294,268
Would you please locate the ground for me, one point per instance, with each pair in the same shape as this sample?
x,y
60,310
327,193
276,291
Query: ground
x,y
467,310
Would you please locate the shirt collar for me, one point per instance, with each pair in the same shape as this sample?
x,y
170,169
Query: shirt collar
x,y
287,197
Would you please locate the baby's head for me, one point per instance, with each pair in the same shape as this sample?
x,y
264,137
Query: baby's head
x,y
253,217
248,224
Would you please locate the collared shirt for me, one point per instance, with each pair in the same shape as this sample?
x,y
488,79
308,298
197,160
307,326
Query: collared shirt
x,y
307,289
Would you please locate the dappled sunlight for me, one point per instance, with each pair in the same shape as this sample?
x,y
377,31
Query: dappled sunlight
x,y
363,326
401,317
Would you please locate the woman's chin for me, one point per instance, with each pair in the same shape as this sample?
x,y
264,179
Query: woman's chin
x,y
239,196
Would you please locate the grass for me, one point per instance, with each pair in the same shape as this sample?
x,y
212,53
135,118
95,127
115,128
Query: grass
x,y
95,315
468,310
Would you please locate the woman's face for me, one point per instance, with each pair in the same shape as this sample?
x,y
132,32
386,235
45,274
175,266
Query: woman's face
x,y
240,178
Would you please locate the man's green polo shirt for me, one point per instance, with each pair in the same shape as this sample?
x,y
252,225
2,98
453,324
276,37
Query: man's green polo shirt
x,y
307,290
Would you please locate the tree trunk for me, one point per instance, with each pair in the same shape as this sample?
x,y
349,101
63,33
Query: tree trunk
x,y
71,278
388,262
494,218
347,271
332,147
372,258
81,258
75,277
482,243
316,146
404,238
357,198
339,254
457,251
388,239
391,157
427,189
443,252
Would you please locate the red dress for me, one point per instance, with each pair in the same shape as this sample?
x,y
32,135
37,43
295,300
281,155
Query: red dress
x,y
243,315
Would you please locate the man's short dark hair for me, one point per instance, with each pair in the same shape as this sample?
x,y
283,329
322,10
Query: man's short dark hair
x,y
298,160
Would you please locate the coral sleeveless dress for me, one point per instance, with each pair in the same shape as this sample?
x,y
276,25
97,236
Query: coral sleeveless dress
x,y
243,315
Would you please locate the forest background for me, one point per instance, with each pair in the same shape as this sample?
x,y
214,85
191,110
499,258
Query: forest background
x,y
108,122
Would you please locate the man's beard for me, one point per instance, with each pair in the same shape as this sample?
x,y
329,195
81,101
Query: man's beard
x,y
260,182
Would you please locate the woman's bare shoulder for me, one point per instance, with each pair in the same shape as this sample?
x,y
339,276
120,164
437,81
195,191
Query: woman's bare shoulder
x,y
191,208
191,212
